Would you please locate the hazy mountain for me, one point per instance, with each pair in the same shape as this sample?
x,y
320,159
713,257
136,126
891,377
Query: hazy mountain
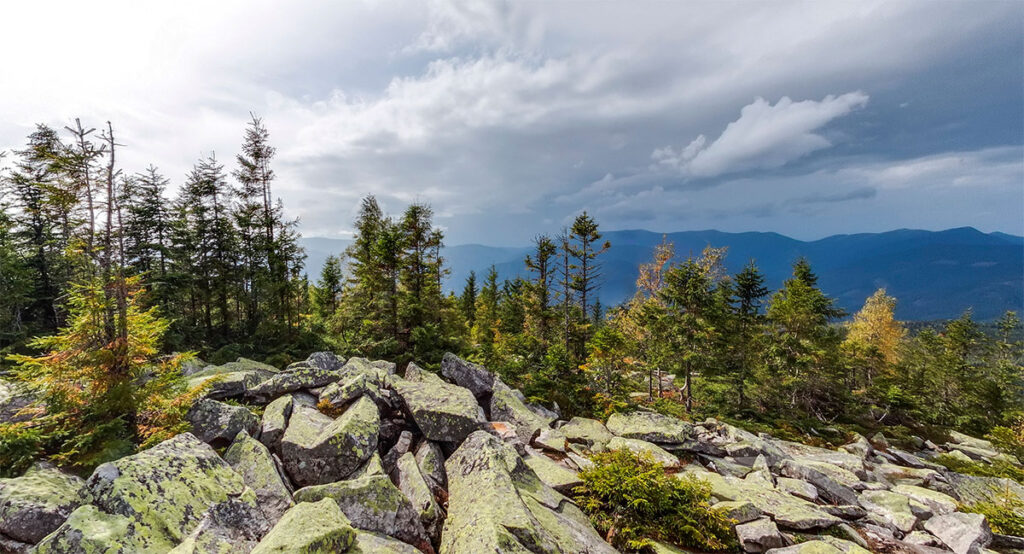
x,y
934,274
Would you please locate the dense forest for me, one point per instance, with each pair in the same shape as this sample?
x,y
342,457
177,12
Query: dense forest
x,y
109,287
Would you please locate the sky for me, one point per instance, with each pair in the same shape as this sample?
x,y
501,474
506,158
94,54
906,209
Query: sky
x,y
803,118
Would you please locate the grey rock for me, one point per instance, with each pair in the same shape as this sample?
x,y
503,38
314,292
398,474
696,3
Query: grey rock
x,y
443,412
410,481
830,488
507,405
962,533
430,460
373,503
650,427
33,505
316,449
253,461
217,423
759,535
275,421
468,375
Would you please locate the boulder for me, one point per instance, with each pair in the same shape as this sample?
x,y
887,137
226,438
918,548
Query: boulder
x,y
798,488
410,481
375,543
893,507
860,447
275,421
153,500
551,439
816,546
316,449
638,446
253,461
759,535
650,427
320,369
787,510
739,511
832,490
443,412
232,379
217,423
348,388
468,375
498,504
506,405
33,505
373,503
556,476
590,432
962,533
310,528
937,502
430,460
232,526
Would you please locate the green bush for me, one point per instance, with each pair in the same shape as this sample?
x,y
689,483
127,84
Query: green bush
x,y
1005,513
631,500
1009,439
998,468
20,445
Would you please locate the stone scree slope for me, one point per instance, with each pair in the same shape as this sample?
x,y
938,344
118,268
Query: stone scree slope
x,y
351,457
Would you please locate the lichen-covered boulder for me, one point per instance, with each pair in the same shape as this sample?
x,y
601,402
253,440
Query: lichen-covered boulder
x,y
348,388
834,491
316,449
658,454
506,405
962,533
410,481
373,503
254,463
151,501
232,526
590,432
650,427
787,510
275,421
759,535
309,528
498,504
33,505
894,508
321,368
468,375
443,412
937,502
375,543
232,379
217,423
430,460
556,476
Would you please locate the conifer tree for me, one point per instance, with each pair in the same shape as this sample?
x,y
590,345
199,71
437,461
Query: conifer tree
x,y
541,263
467,300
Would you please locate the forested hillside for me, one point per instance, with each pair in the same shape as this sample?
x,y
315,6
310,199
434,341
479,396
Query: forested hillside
x,y
936,274
104,279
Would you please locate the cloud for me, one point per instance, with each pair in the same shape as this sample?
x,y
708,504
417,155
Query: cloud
x,y
764,137
861,193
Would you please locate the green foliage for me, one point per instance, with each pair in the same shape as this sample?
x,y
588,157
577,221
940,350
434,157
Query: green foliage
x,y
631,500
1004,512
20,445
997,468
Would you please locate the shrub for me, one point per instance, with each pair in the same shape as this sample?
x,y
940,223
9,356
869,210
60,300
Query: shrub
x,y
631,500
20,444
1009,439
998,468
1004,512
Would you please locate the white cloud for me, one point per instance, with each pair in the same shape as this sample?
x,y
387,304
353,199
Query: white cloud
x,y
764,136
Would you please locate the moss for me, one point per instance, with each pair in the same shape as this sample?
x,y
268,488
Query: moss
x,y
998,468
1004,512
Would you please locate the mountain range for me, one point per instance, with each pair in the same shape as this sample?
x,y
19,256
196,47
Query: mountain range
x,y
933,274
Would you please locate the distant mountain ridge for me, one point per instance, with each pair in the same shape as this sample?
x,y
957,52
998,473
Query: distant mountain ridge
x,y
934,274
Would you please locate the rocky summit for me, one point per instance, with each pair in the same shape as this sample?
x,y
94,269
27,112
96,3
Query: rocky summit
x,y
349,456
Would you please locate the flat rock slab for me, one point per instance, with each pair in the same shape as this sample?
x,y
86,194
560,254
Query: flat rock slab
x,y
962,533
650,427
637,446
309,527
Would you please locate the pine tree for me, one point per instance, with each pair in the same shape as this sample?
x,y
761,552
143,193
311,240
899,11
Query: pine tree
x,y
541,263
327,292
467,300
584,249
146,225
748,294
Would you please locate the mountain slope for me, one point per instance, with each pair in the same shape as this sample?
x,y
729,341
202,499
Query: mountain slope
x,y
934,274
